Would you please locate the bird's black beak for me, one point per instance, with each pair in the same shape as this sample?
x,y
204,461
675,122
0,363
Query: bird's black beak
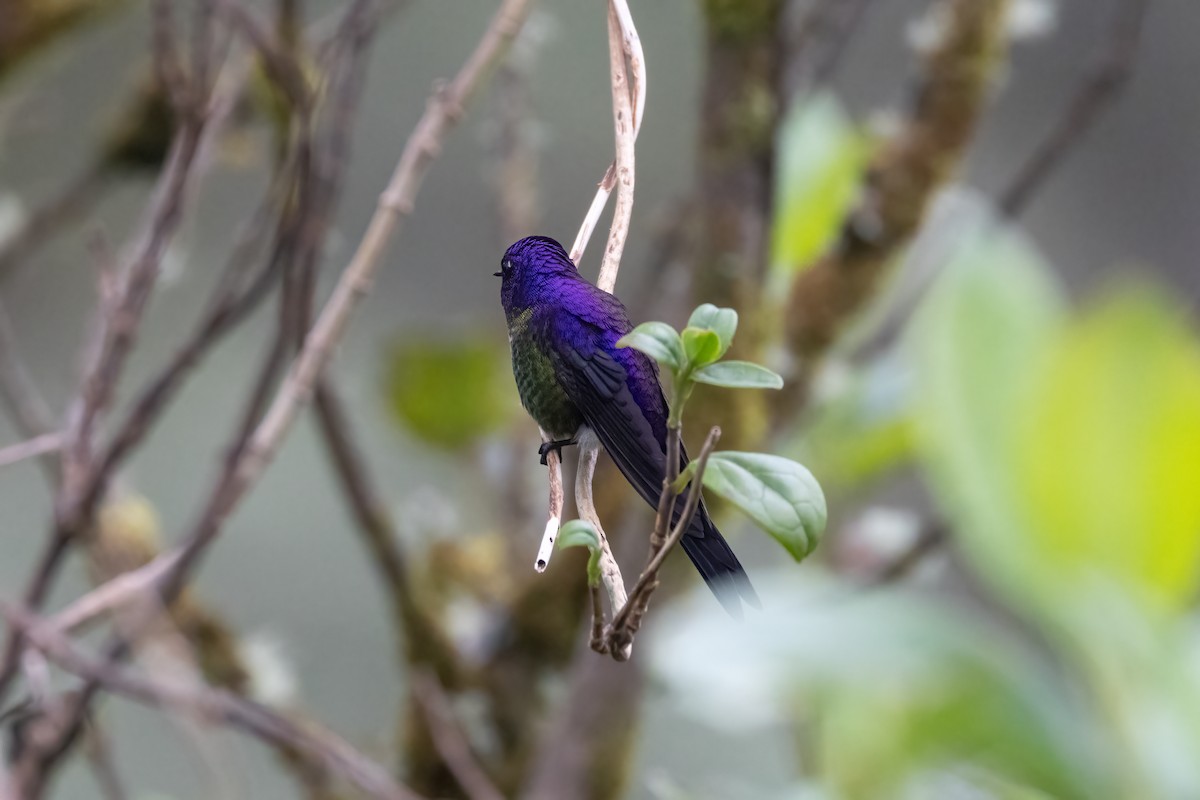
x,y
498,274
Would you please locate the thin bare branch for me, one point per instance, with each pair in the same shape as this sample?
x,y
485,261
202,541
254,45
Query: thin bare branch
x,y
247,463
30,448
1097,92
66,208
100,758
322,747
610,571
23,401
620,25
626,40
450,739
628,619
555,512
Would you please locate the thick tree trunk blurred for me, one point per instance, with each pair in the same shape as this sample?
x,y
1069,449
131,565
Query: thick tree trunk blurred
x,y
739,114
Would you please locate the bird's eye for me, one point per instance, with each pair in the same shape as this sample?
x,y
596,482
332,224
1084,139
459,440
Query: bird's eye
x,y
505,266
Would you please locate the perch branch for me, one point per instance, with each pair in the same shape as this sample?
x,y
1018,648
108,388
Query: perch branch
x,y
555,512
610,572
624,45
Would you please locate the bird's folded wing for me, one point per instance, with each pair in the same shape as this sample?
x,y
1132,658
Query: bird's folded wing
x,y
598,385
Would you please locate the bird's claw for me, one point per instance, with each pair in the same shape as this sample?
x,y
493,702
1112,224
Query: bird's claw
x,y
555,446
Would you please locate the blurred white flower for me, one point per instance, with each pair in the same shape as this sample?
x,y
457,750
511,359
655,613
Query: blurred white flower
x,y
886,531
273,678
12,215
925,32
1032,19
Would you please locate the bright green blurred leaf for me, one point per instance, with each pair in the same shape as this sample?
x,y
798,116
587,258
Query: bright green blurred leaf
x,y
578,533
978,339
449,393
781,496
701,346
738,375
657,340
822,156
1109,449
904,683
721,321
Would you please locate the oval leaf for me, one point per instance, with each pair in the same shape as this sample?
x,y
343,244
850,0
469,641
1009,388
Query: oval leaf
x,y
738,375
657,340
781,496
577,533
701,346
820,164
721,321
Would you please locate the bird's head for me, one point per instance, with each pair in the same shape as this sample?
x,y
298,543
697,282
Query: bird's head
x,y
527,267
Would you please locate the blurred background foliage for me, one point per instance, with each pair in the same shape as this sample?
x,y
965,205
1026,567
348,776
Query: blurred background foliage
x,y
1008,433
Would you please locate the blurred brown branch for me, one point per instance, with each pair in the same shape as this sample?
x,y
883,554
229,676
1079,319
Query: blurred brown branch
x,y
899,183
450,739
320,746
1096,93
255,446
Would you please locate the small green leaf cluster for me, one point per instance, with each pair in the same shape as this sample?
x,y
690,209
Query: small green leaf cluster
x,y
779,495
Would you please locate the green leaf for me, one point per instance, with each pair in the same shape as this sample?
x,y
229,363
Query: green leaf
x,y
578,533
1108,446
822,156
425,382
738,375
721,321
657,340
978,339
903,681
701,346
781,496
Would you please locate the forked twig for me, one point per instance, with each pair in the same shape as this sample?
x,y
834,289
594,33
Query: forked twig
x,y
628,619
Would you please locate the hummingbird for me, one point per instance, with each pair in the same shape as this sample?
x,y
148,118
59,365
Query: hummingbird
x,y
575,382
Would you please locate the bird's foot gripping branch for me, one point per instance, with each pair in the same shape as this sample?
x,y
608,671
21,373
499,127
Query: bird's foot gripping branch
x,y
779,495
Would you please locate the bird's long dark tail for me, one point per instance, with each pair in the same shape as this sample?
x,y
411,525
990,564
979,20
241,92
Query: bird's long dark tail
x,y
714,559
